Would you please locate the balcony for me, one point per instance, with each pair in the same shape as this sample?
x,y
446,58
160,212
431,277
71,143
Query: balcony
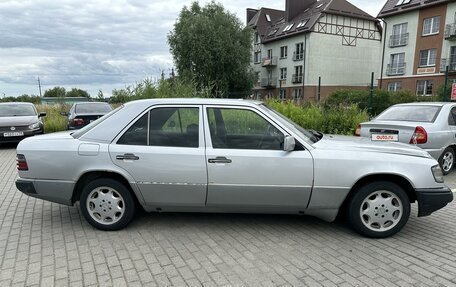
x,y
298,56
450,32
450,62
296,79
395,70
269,82
399,40
269,62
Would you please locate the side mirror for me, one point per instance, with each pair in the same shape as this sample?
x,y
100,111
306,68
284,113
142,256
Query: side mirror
x,y
41,115
65,114
289,143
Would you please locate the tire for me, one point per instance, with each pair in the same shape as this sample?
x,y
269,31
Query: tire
x,y
100,199
446,160
379,209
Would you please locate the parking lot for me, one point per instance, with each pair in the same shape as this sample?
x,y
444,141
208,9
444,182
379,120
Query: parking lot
x,y
43,243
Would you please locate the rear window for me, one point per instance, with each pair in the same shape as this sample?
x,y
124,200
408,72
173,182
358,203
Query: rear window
x,y
92,108
417,113
81,132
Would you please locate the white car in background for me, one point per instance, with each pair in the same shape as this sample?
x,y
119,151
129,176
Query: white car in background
x,y
430,126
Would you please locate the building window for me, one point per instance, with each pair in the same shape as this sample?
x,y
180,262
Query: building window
x,y
299,52
397,65
257,75
297,77
257,38
427,57
283,52
257,57
283,73
424,88
269,53
400,35
283,94
394,86
297,94
431,26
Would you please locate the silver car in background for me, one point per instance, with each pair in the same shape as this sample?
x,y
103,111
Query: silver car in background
x,y
431,126
213,155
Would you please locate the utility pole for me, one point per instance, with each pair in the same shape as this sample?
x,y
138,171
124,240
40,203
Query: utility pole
x,y
39,85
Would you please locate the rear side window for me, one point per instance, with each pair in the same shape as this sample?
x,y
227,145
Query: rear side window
x,y
452,117
417,113
170,126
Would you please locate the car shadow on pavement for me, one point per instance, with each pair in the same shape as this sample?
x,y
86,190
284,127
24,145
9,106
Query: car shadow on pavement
x,y
8,145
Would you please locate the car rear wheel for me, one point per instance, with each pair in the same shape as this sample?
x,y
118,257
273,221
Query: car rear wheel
x,y
379,209
446,160
107,204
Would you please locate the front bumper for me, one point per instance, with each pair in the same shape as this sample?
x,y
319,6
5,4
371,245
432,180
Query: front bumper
x,y
27,133
51,190
430,200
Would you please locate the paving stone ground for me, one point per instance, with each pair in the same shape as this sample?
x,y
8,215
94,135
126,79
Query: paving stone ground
x,y
48,244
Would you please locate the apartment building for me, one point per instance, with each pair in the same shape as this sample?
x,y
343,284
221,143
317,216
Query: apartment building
x,y
420,43
329,44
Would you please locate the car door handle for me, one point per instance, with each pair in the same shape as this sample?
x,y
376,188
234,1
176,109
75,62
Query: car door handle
x,y
219,159
127,156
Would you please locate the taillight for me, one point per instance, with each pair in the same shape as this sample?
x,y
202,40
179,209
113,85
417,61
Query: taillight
x,y
21,162
419,136
78,122
358,130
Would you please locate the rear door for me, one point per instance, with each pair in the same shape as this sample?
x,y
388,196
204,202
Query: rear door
x,y
247,166
163,150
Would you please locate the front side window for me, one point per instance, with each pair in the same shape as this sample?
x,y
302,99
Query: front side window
x,y
431,26
242,129
427,57
170,126
424,88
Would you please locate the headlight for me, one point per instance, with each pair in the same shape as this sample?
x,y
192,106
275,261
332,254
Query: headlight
x,y
437,173
34,126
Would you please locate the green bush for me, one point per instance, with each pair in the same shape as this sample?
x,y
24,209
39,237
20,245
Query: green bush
x,y
339,119
54,121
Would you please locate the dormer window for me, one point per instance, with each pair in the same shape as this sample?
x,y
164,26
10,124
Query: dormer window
x,y
403,2
302,23
268,18
288,27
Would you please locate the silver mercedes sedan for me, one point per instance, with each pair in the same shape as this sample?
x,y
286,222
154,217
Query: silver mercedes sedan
x,y
212,155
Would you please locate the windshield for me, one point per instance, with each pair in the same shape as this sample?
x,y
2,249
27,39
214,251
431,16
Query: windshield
x,y
92,108
415,113
17,110
309,136
81,132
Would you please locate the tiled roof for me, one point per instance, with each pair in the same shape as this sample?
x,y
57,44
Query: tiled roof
x,y
279,28
393,7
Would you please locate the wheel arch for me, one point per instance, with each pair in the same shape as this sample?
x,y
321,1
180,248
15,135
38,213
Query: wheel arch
x,y
394,178
92,175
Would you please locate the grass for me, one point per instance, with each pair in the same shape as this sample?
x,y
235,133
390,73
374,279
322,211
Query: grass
x,y
54,121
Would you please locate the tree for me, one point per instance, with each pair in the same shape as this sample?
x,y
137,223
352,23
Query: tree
x,y
100,95
56,92
77,93
212,47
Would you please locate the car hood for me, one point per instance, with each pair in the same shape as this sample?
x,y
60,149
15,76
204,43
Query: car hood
x,y
18,121
345,143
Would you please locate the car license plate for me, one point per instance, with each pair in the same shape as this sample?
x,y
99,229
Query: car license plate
x,y
13,134
385,137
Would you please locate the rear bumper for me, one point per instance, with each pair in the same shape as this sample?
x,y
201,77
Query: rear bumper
x,y
430,200
51,190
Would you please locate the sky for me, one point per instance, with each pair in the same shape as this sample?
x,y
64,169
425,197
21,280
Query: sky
x,y
96,44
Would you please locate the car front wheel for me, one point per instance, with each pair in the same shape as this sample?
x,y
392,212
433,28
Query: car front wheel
x,y
446,160
379,209
107,204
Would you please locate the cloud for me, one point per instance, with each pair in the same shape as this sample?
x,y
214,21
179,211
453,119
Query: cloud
x,y
95,42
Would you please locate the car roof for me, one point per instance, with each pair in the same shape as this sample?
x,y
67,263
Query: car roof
x,y
439,104
16,103
195,101
85,103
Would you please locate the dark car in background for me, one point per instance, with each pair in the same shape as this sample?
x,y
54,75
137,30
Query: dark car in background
x,y
82,114
18,121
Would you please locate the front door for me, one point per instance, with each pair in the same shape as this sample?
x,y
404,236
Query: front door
x,y
164,152
247,166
